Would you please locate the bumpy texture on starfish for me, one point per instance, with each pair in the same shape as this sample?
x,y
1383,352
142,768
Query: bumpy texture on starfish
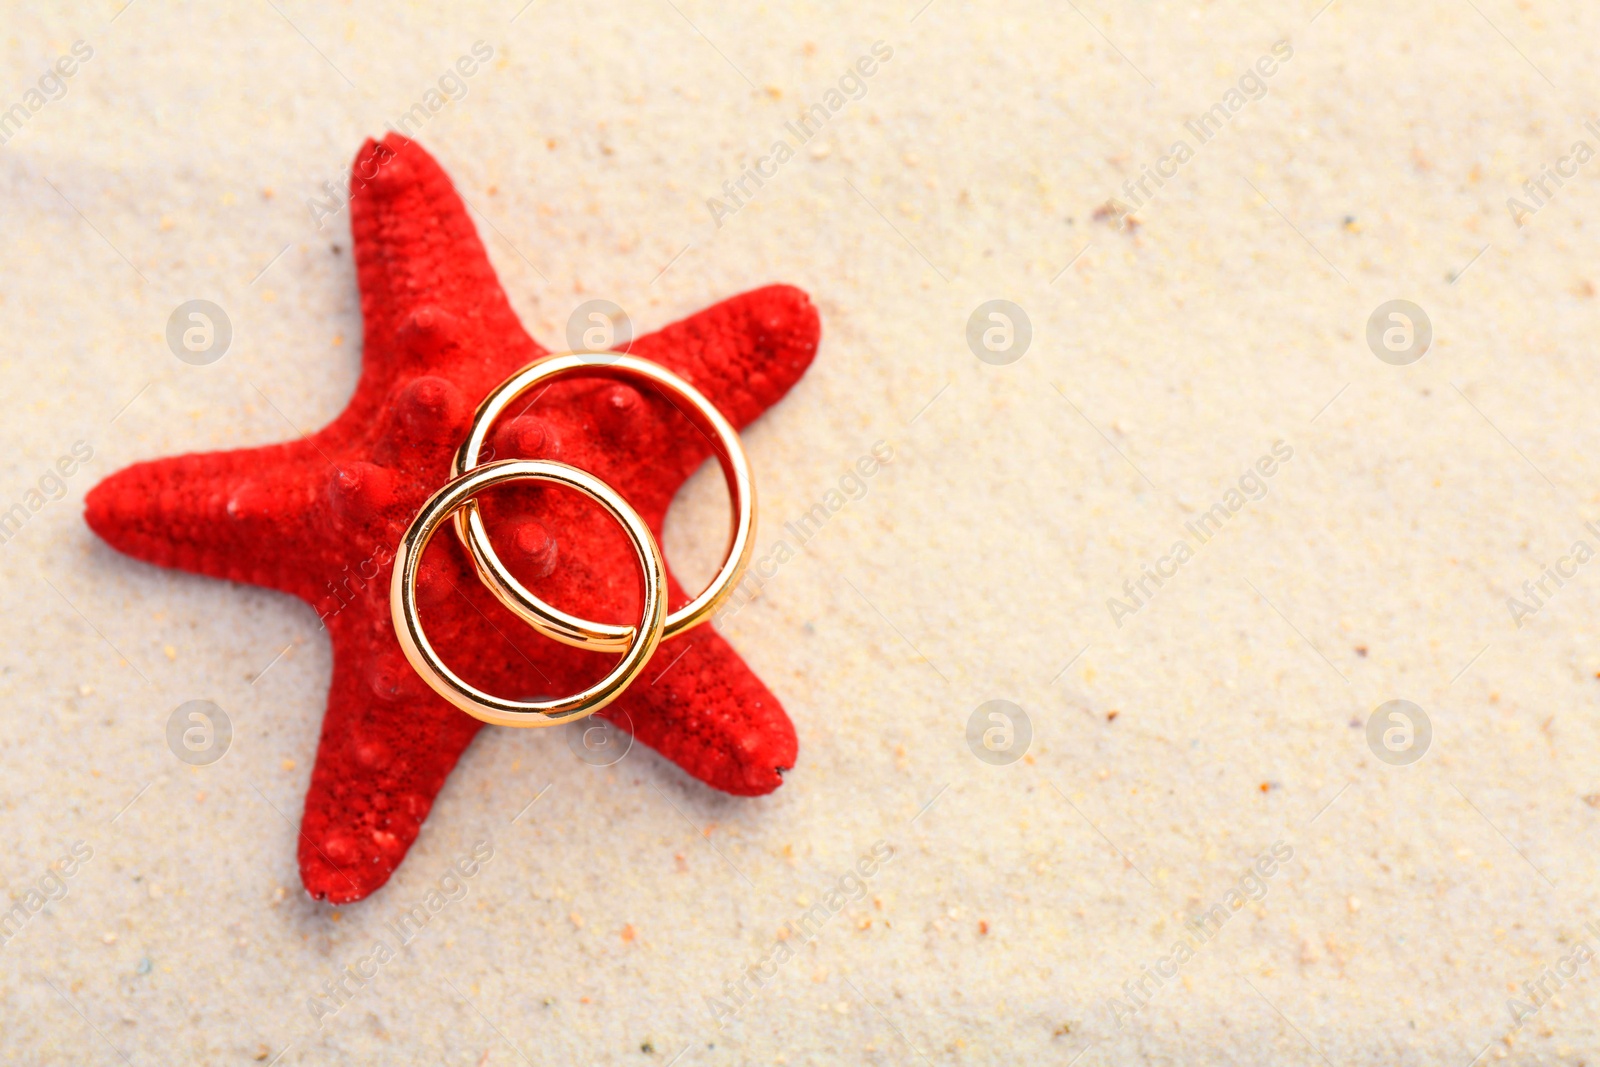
x,y
320,518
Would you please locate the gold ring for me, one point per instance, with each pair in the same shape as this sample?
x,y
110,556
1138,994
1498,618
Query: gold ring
x,y
498,710
549,620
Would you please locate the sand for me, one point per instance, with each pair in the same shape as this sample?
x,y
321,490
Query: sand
x,y
1199,748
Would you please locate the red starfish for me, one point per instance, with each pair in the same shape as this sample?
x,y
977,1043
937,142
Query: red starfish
x,y
320,518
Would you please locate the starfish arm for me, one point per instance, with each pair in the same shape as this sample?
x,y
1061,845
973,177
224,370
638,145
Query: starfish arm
x,y
697,702
745,353
192,512
699,705
388,743
429,296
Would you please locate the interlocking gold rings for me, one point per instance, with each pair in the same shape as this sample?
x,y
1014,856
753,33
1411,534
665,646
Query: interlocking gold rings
x,y
457,499
469,698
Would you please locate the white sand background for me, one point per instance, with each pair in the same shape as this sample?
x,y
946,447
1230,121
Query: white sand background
x,y
1224,716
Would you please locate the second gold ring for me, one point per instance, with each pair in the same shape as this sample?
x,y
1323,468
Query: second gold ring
x,y
548,619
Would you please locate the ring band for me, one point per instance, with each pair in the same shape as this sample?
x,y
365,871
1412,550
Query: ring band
x,y
458,493
549,620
